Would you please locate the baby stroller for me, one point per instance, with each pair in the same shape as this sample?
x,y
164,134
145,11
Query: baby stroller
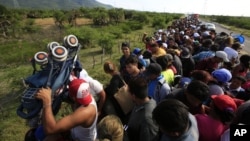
x,y
55,69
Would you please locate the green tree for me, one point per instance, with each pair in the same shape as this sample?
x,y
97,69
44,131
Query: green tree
x,y
158,22
140,17
101,18
59,18
3,10
106,42
116,15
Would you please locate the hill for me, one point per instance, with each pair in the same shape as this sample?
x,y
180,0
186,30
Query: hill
x,y
52,4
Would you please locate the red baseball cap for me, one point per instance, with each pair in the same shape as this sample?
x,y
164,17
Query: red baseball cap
x,y
224,102
79,89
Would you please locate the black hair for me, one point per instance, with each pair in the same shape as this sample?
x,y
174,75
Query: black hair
x,y
162,61
244,59
245,116
132,59
138,87
226,116
125,44
147,54
171,115
207,43
198,89
154,45
215,47
236,46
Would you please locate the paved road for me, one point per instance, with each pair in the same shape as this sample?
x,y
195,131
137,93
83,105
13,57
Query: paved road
x,y
246,48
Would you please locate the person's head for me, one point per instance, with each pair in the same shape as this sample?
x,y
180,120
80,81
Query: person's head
x,y
207,43
202,75
172,116
221,56
150,40
131,64
79,92
197,92
163,61
164,37
223,106
154,47
236,82
214,47
110,128
185,53
215,89
153,71
222,75
229,41
138,88
109,67
183,82
147,54
171,42
244,60
137,51
236,46
243,114
125,48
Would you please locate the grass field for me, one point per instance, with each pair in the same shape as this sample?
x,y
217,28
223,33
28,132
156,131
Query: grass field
x,y
12,127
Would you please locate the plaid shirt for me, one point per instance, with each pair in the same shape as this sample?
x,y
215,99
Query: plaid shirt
x,y
203,55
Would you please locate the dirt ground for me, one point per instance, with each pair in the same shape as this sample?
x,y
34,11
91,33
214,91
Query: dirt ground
x,y
47,22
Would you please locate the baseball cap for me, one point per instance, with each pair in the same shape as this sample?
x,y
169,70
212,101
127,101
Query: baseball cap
x,y
222,75
222,55
182,32
165,45
185,53
160,30
196,35
153,68
79,89
215,89
169,57
185,37
224,102
184,81
205,34
137,51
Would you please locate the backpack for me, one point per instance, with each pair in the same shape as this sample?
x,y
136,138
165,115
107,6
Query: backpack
x,y
55,69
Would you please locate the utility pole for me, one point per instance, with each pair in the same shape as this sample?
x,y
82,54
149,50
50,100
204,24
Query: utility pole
x,y
205,8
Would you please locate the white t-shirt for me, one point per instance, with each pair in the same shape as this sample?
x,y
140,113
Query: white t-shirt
x,y
95,86
231,53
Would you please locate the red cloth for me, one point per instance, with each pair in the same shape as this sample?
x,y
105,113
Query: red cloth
x,y
209,128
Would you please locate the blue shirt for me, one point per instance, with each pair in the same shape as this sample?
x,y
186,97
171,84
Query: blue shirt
x,y
158,89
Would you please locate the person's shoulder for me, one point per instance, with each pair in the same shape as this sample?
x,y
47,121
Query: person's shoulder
x,y
122,57
88,111
95,84
177,93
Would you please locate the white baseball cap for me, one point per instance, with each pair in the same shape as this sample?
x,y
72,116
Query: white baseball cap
x,y
222,54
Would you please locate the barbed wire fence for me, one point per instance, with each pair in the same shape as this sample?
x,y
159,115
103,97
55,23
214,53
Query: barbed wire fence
x,y
101,58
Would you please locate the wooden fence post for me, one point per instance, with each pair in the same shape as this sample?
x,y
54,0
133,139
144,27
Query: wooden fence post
x,y
94,61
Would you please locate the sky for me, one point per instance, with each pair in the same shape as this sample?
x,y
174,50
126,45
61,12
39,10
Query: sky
x,y
203,7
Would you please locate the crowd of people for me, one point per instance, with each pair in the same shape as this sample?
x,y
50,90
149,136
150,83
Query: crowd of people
x,y
188,84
